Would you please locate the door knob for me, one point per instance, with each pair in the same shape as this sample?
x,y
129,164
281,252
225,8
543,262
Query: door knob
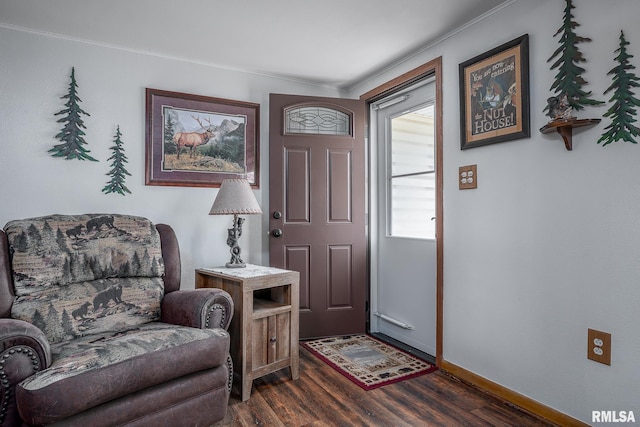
x,y
276,233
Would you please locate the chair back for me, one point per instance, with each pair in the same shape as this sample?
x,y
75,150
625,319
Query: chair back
x,y
75,275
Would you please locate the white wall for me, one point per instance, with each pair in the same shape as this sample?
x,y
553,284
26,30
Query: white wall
x,y
549,243
34,74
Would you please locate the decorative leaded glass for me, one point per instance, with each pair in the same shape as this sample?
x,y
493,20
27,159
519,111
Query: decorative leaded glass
x,y
316,120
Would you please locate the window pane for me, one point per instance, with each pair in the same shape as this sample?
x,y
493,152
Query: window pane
x,y
412,142
412,175
413,205
317,121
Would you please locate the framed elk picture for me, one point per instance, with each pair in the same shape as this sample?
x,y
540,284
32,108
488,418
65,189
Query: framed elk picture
x,y
197,141
494,95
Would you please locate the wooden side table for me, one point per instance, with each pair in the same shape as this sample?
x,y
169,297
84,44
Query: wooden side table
x,y
264,328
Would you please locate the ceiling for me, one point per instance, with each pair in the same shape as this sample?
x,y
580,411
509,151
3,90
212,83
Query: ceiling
x,y
334,43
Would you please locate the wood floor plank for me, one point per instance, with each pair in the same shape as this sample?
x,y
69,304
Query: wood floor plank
x,y
253,412
499,415
322,397
428,407
290,399
362,405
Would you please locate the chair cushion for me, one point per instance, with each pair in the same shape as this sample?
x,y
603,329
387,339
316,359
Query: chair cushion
x,y
62,249
95,307
81,274
89,371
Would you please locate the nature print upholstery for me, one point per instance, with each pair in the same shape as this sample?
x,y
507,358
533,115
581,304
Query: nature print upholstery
x,y
85,274
106,351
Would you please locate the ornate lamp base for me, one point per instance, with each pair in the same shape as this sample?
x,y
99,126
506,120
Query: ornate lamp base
x,y
237,265
232,241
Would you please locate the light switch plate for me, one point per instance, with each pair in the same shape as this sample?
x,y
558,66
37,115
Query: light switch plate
x,y
468,177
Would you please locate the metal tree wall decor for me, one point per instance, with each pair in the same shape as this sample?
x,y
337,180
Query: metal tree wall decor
x,y
622,112
118,171
568,80
568,83
72,135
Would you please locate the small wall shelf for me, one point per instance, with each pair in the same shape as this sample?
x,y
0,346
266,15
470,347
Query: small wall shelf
x,y
565,128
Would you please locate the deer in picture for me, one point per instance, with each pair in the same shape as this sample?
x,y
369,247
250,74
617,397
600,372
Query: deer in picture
x,y
192,140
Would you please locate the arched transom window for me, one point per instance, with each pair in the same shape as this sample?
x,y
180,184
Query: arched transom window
x,y
318,120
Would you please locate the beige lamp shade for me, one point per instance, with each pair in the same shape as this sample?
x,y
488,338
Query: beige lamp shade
x,y
235,197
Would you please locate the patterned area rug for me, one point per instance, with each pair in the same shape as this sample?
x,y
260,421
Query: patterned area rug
x,y
366,361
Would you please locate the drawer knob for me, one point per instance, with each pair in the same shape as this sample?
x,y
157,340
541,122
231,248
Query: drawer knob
x,y
273,339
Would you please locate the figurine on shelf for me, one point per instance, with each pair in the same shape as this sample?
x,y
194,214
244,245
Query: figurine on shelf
x,y
560,108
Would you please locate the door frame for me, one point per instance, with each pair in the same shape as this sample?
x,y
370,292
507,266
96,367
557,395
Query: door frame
x,y
430,69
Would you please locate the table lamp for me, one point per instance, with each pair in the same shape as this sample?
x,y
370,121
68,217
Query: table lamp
x,y
235,197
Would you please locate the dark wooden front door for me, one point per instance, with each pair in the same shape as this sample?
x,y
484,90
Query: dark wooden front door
x,y
317,208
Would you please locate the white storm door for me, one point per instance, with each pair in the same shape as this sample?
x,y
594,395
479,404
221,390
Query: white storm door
x,y
403,267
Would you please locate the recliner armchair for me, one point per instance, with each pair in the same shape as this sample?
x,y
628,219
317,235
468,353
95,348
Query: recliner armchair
x,y
94,329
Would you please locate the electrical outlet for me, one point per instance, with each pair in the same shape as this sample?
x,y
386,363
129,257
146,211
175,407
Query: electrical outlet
x,y
599,346
468,177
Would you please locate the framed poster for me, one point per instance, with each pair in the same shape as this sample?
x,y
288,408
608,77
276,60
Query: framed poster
x,y
197,141
494,95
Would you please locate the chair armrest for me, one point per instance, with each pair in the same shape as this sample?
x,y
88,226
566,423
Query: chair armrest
x,y
198,308
24,350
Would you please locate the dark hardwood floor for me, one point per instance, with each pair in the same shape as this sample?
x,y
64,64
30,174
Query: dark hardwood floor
x,y
323,397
